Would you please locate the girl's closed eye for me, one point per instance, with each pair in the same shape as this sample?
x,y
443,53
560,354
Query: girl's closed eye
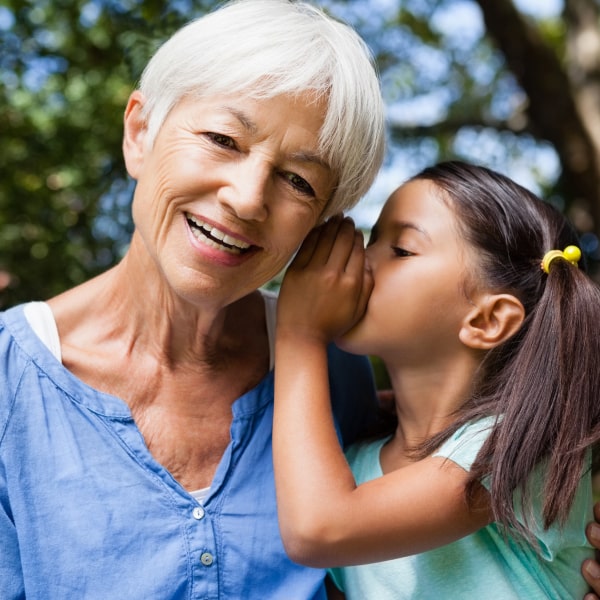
x,y
401,252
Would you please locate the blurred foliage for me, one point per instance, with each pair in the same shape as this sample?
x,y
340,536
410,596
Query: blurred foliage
x,y
68,66
66,70
482,81
380,374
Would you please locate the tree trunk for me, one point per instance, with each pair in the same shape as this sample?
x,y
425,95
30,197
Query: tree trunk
x,y
564,99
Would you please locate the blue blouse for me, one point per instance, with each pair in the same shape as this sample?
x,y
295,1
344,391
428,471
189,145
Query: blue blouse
x,y
86,511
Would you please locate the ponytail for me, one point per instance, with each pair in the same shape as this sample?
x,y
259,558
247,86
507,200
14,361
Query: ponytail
x,y
548,394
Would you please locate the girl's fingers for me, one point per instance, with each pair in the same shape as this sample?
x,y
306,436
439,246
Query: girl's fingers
x,y
332,234
591,573
306,250
355,260
335,244
317,245
365,292
345,247
355,268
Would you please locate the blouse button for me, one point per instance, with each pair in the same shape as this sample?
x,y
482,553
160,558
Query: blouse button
x,y
206,559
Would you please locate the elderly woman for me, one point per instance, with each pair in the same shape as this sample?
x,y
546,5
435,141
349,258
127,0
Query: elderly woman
x,y
136,409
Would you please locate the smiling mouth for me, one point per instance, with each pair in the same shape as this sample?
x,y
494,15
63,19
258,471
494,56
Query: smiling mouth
x,y
215,238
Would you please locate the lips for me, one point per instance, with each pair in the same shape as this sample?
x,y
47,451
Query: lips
x,y
215,238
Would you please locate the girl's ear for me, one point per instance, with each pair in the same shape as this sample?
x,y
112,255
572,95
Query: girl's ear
x,y
493,320
134,134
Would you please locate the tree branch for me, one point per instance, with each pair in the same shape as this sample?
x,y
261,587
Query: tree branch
x,y
552,108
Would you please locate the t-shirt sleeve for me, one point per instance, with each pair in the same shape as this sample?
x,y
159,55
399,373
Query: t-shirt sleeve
x,y
464,445
462,448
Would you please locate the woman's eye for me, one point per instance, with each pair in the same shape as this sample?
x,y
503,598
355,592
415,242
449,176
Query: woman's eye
x,y
221,140
300,184
401,251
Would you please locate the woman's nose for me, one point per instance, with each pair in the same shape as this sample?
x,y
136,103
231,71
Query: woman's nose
x,y
247,189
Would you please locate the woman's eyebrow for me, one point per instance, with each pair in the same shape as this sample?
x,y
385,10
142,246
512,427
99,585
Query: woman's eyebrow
x,y
310,157
249,125
246,122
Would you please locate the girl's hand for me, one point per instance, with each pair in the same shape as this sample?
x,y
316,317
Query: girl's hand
x,y
590,568
326,288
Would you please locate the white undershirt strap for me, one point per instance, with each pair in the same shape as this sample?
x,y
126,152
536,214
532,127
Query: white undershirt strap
x,y
270,299
40,318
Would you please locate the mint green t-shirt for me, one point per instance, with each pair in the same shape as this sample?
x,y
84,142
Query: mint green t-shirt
x,y
484,564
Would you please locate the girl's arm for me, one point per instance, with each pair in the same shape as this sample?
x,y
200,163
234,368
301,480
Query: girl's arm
x,y
325,519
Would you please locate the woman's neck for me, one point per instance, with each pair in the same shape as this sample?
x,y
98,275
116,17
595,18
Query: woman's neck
x,y
111,328
130,303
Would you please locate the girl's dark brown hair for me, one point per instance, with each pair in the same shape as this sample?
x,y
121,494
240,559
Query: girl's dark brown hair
x,y
544,382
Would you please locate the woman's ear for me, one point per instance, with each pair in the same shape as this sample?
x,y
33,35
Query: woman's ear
x,y
134,134
493,319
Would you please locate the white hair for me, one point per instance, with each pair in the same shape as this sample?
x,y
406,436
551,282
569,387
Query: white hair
x,y
264,48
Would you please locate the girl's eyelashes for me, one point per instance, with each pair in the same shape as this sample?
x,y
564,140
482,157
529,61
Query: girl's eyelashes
x,y
401,252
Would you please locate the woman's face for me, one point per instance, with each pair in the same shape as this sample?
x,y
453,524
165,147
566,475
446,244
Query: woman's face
x,y
419,267
228,191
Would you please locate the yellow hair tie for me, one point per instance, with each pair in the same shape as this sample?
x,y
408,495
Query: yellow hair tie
x,y
571,254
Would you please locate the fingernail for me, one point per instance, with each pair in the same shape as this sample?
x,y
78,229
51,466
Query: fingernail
x,y
594,532
592,569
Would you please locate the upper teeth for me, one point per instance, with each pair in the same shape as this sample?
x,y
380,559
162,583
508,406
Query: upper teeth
x,y
235,243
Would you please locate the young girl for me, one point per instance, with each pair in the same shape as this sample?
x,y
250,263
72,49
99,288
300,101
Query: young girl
x,y
489,328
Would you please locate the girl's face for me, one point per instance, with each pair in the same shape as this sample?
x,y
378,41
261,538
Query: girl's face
x,y
419,265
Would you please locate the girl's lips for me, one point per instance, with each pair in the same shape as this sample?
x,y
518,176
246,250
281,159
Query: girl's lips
x,y
212,236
